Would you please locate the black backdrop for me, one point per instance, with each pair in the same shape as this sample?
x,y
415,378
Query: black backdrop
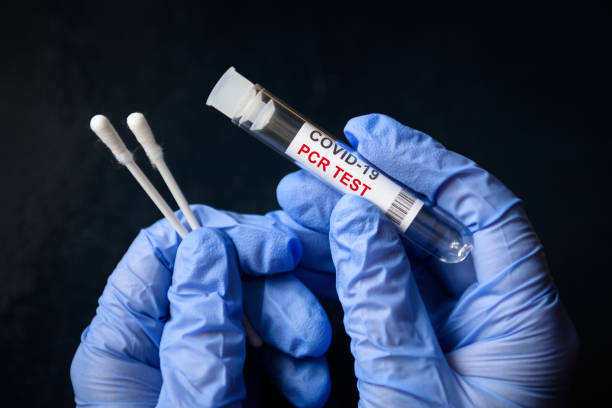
x,y
522,90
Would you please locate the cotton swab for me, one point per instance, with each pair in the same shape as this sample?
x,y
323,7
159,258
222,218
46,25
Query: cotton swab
x,y
102,127
141,129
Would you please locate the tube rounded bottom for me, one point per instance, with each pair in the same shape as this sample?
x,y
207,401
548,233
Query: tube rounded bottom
x,y
439,235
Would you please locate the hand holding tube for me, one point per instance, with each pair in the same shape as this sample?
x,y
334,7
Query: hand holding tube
x,y
486,332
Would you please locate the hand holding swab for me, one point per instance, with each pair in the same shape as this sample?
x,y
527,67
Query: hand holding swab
x,y
141,129
102,127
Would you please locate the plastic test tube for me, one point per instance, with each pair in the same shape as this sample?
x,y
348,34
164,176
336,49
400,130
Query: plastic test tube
x,y
283,129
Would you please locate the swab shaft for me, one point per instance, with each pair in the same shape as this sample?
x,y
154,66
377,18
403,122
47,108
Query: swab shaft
x,y
156,198
178,195
251,334
140,128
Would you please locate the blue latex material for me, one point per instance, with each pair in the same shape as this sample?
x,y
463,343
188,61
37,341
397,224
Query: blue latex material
x,y
168,328
489,331
293,376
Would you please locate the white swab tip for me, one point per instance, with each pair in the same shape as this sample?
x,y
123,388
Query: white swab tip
x,y
136,120
99,123
102,127
140,128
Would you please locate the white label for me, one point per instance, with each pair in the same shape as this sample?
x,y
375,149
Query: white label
x,y
323,156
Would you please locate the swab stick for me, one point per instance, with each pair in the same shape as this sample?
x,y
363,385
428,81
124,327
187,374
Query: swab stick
x,y
141,129
102,127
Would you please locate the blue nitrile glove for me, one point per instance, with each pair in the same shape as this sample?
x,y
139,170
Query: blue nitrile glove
x,y
489,331
168,328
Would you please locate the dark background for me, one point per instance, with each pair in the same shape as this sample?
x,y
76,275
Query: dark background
x,y
522,90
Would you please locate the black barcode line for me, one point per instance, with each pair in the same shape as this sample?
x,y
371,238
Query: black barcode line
x,y
400,207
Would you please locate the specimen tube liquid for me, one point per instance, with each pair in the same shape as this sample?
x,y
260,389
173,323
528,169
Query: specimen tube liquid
x,y
283,129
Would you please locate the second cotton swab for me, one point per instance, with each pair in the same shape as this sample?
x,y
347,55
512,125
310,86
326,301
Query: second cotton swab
x,y
141,129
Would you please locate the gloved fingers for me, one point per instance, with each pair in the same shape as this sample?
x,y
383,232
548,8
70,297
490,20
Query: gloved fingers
x,y
286,315
309,219
315,245
307,200
394,344
453,182
202,349
263,244
305,382
134,306
303,214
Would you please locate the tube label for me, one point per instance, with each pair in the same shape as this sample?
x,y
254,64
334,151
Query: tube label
x,y
333,162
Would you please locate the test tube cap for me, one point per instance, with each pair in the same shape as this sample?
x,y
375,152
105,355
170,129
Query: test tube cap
x,y
230,93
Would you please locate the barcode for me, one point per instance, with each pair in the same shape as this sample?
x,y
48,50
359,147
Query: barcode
x,y
400,207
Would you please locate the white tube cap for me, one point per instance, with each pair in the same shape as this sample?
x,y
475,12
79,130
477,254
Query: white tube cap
x,y
230,93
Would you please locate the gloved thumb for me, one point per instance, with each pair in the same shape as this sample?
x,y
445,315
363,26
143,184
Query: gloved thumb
x,y
398,361
202,348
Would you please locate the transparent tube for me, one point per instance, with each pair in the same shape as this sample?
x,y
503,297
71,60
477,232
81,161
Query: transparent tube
x,y
283,129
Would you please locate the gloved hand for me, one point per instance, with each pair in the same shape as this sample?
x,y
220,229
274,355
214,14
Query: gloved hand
x,y
489,331
168,328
